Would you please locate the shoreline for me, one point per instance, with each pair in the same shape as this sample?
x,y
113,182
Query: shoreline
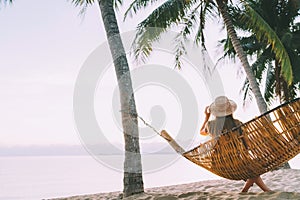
x,y
284,183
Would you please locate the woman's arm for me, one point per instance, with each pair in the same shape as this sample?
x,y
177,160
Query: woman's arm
x,y
203,129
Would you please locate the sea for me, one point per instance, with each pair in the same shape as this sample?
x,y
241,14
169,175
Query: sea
x,y
46,177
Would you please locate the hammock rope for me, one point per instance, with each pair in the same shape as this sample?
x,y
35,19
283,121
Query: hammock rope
x,y
251,149
142,119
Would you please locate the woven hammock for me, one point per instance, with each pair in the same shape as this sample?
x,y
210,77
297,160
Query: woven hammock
x,y
251,149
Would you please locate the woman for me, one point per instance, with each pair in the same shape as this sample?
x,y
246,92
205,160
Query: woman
x,y
222,108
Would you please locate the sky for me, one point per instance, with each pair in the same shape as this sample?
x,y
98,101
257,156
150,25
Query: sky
x,y
44,44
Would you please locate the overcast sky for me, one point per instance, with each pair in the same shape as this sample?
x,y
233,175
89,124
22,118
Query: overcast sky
x,y
43,46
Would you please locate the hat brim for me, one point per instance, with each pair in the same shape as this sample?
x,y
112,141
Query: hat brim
x,y
221,113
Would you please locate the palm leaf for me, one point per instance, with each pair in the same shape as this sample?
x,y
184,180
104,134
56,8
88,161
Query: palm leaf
x,y
186,29
207,8
150,30
269,85
295,59
247,92
259,66
189,20
291,8
137,5
83,4
180,49
5,2
264,32
249,44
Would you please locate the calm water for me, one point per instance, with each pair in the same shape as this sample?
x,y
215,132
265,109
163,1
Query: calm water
x,y
50,176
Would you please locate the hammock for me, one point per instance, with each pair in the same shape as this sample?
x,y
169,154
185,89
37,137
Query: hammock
x,y
251,149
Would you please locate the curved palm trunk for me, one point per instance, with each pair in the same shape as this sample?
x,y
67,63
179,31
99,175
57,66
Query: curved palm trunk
x,y
262,106
133,180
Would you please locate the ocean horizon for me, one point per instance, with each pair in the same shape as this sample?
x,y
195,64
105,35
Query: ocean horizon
x,y
45,177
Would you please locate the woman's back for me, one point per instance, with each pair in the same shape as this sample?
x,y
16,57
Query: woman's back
x,y
222,124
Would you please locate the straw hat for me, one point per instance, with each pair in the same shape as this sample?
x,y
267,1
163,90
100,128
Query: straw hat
x,y
222,106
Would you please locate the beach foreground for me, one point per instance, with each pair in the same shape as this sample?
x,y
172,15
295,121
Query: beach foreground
x,y
285,184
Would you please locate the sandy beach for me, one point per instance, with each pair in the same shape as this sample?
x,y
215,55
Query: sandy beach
x,y
285,184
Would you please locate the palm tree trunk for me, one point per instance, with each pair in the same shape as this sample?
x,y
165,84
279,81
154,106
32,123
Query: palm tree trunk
x,y
262,106
133,180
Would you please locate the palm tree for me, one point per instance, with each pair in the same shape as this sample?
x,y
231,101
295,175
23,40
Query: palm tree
x,y
133,180
191,14
280,17
242,56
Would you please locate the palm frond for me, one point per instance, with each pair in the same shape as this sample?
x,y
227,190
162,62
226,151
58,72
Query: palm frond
x,y
259,66
150,30
206,8
180,49
290,9
249,44
189,20
269,85
118,3
227,48
264,32
5,2
170,12
142,45
296,36
246,89
186,28
83,4
136,5
295,60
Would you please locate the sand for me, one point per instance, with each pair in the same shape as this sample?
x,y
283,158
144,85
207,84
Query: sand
x,y
285,184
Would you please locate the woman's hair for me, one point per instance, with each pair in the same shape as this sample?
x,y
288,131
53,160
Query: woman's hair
x,y
221,124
